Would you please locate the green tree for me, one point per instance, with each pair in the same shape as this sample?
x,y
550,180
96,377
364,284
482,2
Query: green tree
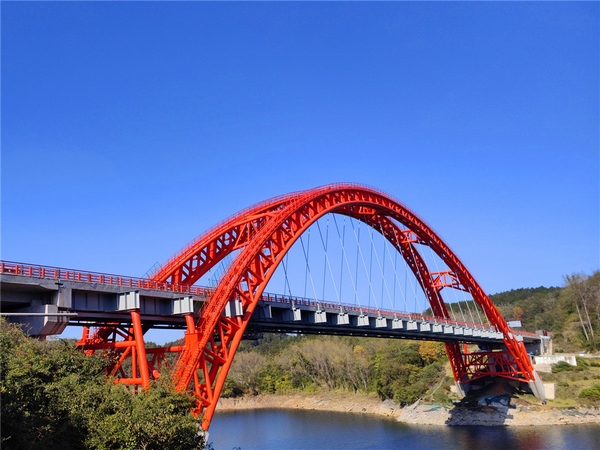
x,y
246,371
55,397
156,419
584,293
518,313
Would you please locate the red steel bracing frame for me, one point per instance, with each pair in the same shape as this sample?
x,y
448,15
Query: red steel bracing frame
x,y
263,234
498,363
120,344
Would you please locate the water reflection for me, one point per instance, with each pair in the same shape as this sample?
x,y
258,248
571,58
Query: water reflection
x,y
304,430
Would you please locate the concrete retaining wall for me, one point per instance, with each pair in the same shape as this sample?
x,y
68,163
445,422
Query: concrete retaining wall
x,y
570,359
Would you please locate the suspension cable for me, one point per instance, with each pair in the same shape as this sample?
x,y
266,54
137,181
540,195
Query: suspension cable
x,y
381,270
357,251
395,278
467,302
363,261
419,275
370,230
341,259
478,310
286,281
328,264
383,274
308,273
438,296
404,291
397,282
345,259
459,301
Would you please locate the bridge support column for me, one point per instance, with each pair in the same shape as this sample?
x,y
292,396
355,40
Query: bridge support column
x,y
138,332
191,333
462,388
537,387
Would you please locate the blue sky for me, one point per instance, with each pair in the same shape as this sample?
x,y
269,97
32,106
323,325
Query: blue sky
x,y
128,128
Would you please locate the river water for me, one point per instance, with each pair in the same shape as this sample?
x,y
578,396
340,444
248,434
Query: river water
x,y
279,429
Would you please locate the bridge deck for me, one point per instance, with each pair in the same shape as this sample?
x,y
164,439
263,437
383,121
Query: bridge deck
x,y
101,298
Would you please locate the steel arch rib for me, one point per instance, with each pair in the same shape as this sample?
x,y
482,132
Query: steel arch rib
x,y
269,231
194,260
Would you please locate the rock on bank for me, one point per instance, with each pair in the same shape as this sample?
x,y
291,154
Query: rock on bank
x,y
521,415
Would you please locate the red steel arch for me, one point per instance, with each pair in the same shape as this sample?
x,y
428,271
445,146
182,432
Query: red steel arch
x,y
263,234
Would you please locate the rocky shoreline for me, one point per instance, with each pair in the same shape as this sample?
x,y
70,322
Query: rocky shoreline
x,y
494,414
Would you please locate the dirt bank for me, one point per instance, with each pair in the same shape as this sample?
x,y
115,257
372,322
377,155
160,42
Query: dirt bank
x,y
495,414
339,402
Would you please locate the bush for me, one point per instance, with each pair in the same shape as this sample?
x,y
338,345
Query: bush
x,y
592,393
156,419
230,389
582,362
408,394
273,379
562,366
441,396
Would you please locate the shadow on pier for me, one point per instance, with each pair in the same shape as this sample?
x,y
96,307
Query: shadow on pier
x,y
489,405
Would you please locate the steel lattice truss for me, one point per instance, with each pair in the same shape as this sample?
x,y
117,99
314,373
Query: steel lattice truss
x,y
261,236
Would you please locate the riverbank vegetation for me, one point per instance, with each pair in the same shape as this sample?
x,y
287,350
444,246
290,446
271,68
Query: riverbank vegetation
x,y
393,369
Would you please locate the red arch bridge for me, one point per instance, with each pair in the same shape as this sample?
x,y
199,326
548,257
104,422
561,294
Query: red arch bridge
x,y
385,272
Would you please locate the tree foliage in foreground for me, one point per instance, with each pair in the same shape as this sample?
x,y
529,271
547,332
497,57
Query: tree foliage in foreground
x,y
54,397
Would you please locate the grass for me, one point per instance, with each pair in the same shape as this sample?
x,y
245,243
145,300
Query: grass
x,y
563,403
570,381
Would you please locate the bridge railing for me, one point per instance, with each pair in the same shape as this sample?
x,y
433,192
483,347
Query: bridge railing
x,y
300,301
57,273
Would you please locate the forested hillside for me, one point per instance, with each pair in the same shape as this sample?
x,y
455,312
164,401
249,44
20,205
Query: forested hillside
x,y
571,314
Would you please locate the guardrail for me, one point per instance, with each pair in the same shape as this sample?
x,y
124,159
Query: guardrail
x,y
57,273
300,301
367,310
